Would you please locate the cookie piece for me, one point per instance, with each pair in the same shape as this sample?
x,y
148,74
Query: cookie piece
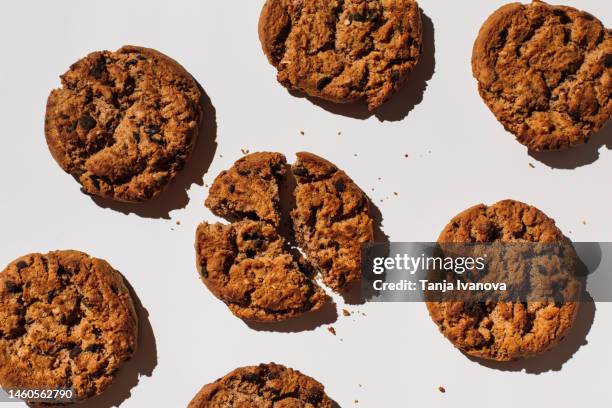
x,y
546,73
342,51
503,331
249,189
266,386
331,220
245,265
123,123
66,320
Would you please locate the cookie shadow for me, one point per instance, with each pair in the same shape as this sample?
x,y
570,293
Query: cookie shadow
x,y
554,359
580,155
328,314
175,196
407,97
357,294
141,364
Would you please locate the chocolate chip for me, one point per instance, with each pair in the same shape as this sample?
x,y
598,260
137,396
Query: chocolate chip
x,y
314,395
252,377
50,296
99,68
323,82
21,264
129,85
136,137
95,182
300,171
152,129
357,17
231,188
12,287
339,185
259,243
395,75
203,268
74,351
250,253
92,348
131,62
141,57
608,61
87,123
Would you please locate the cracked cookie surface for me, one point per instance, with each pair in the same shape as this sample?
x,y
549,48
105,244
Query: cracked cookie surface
x,y
265,386
249,189
546,73
503,331
246,266
331,220
342,50
123,123
66,320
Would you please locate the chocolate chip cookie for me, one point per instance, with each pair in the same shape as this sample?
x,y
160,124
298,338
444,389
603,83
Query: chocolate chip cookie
x,y
342,51
503,331
246,266
249,190
123,123
331,220
66,321
266,386
546,73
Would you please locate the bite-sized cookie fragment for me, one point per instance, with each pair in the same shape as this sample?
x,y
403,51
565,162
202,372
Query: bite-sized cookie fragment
x,y
123,123
249,189
67,320
503,331
263,386
244,264
331,220
342,50
546,73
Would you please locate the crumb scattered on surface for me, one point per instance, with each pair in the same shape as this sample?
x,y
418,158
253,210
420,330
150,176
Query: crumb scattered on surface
x,y
302,132
583,222
442,389
356,401
395,193
531,165
346,312
355,155
406,155
339,133
331,330
245,151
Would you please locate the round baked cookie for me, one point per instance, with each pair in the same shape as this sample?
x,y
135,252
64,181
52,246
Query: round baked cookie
x,y
331,220
503,331
67,320
342,51
266,386
123,123
546,73
246,265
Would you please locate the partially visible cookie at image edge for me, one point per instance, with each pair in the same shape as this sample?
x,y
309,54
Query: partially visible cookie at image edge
x,y
67,320
503,331
265,385
342,51
124,123
546,73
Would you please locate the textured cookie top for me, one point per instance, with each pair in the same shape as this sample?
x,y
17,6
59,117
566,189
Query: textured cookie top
x,y
331,220
342,51
546,73
249,189
123,123
264,386
66,320
245,265
502,331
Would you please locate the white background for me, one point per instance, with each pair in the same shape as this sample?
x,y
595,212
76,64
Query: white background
x,y
458,155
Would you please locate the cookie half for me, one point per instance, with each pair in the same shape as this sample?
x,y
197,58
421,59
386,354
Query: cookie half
x,y
342,51
503,331
67,320
331,220
124,123
246,266
546,73
265,385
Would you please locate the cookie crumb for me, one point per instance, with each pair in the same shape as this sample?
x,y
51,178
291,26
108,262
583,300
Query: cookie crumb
x,y
406,155
178,222
442,389
339,133
302,132
583,222
531,165
346,312
355,155
331,330
245,151
395,193
356,402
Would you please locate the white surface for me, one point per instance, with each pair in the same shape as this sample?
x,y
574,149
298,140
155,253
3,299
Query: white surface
x,y
459,155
